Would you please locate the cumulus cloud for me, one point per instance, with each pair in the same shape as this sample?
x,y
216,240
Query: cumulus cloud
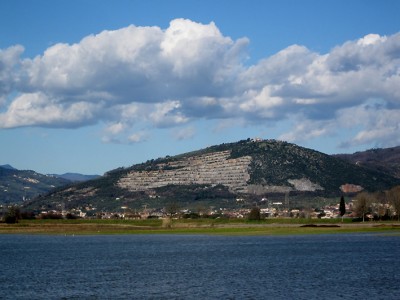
x,y
379,125
37,109
189,71
9,63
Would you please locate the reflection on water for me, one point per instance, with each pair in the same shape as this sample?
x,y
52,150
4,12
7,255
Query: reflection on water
x,y
199,267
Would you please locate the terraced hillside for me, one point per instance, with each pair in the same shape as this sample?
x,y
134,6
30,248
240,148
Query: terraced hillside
x,y
206,169
221,173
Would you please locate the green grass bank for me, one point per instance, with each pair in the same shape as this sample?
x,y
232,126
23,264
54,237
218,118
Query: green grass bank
x,y
198,226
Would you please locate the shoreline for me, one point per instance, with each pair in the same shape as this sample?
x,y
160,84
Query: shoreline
x,y
86,227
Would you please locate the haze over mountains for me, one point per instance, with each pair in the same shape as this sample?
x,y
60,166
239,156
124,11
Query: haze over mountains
x,y
221,174
76,177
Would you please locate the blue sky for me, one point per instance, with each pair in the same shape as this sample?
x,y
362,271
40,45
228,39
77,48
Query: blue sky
x,y
89,86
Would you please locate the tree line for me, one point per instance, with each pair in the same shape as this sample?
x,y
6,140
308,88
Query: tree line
x,y
381,205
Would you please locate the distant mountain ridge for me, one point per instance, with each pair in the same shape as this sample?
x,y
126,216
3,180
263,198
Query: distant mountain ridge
x,y
17,186
77,177
8,167
248,168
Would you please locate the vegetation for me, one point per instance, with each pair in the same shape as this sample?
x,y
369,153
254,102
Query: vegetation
x,y
172,209
393,196
13,215
254,214
342,207
363,205
367,206
276,162
19,185
378,206
384,160
198,226
273,163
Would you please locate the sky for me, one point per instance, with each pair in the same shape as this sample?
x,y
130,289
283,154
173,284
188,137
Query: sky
x,y
88,86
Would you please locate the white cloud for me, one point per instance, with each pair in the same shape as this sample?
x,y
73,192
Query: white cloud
x,y
261,103
167,114
138,137
305,130
279,69
155,77
373,122
37,109
115,128
192,48
9,62
380,125
371,39
184,133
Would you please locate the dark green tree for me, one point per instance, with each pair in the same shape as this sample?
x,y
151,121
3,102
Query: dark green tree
x,y
342,207
13,215
254,214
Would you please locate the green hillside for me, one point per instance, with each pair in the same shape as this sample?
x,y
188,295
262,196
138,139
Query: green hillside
x,y
274,167
17,186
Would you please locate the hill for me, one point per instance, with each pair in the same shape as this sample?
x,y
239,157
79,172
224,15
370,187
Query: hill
x,y
218,175
7,167
385,160
17,186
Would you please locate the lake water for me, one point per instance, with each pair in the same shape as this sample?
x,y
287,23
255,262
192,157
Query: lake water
x,y
352,266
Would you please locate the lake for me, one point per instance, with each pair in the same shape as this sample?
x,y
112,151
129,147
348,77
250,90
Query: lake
x,y
337,266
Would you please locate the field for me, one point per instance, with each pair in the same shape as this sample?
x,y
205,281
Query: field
x,y
198,226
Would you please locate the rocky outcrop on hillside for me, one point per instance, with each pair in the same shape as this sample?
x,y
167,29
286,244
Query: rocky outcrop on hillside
x,y
351,188
304,184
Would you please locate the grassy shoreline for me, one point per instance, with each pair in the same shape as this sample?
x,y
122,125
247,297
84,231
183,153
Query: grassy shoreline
x,y
201,226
